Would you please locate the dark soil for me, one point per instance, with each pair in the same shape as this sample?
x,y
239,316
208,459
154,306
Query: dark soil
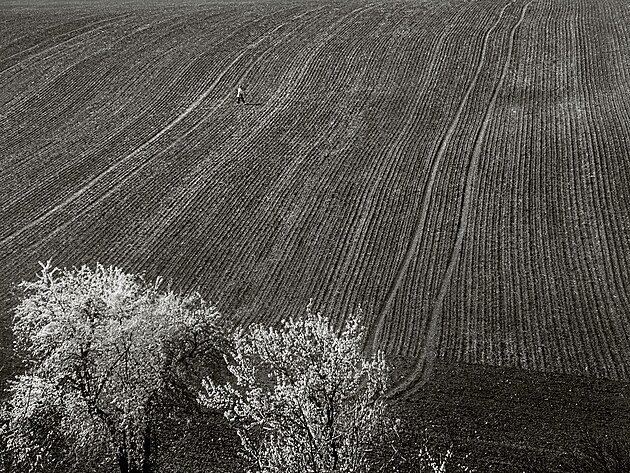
x,y
495,419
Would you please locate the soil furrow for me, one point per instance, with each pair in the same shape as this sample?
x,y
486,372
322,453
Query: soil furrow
x,y
191,107
375,333
425,363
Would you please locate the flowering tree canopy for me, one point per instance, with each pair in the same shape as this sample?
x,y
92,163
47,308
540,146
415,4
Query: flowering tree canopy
x,y
103,351
304,398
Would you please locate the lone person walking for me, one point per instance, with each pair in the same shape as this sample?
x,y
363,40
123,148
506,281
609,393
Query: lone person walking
x,y
240,96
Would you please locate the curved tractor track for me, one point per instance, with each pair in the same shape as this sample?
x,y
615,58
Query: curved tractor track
x,y
183,115
456,170
425,363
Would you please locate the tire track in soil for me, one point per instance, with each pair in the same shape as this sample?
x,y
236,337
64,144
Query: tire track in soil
x,y
424,366
392,152
154,138
384,170
376,333
238,155
241,154
119,183
365,219
102,23
90,154
156,105
133,163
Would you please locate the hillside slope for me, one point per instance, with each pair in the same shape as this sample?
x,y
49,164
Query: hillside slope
x,y
458,170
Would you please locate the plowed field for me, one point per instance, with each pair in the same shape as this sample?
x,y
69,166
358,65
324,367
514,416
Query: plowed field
x,y
458,170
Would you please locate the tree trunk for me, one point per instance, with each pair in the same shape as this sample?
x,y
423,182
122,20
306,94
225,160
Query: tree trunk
x,y
147,446
123,461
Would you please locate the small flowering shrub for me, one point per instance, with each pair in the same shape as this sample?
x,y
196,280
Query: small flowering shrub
x,y
304,398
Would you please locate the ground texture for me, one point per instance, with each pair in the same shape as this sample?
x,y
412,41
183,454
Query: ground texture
x,y
459,171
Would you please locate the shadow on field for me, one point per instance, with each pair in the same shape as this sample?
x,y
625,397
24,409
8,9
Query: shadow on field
x,y
206,442
495,420
511,420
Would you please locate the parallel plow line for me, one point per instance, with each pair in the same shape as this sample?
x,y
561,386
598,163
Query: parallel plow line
x,y
358,239
342,245
19,102
44,30
198,174
460,174
611,360
250,66
155,102
290,247
103,85
120,181
87,186
387,170
484,291
376,332
558,307
424,365
328,264
295,235
89,29
348,298
58,174
241,154
373,239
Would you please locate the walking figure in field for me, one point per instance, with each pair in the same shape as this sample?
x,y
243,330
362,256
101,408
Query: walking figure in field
x,y
240,96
